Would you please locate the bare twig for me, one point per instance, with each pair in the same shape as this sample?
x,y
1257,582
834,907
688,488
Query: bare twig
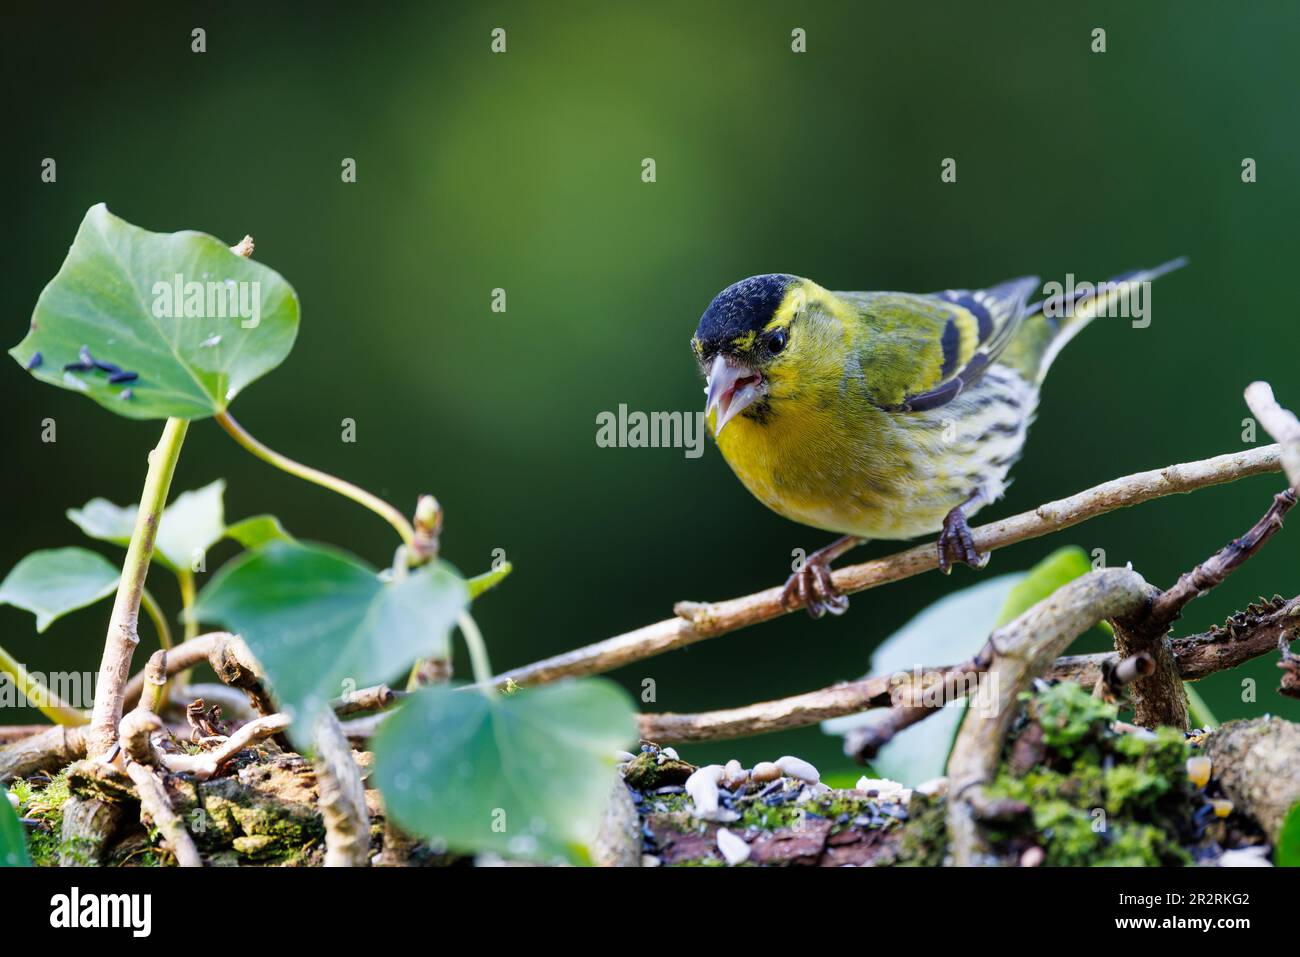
x,y
134,733
1279,423
697,622
341,797
366,699
234,703
179,658
51,749
1246,635
1125,671
1023,650
863,744
1159,696
1212,572
154,692
205,765
236,666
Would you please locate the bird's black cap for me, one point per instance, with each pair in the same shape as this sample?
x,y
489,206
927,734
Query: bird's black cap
x,y
745,306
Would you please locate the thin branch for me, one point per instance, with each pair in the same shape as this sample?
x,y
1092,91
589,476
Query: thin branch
x,y
366,699
341,797
179,658
119,646
1246,635
134,732
234,703
207,764
39,695
1125,671
1212,572
50,750
155,613
235,665
154,693
1159,696
697,622
332,482
1280,423
1023,650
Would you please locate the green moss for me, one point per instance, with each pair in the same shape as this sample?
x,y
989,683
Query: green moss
x,y
1099,797
645,773
261,831
833,806
769,817
45,805
709,861
924,839
1069,715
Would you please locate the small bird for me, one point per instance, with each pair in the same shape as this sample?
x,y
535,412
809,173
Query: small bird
x,y
882,415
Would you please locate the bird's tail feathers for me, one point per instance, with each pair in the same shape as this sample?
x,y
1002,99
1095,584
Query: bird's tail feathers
x,y
1051,323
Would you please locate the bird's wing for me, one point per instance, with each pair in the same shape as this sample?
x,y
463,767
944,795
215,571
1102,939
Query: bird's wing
x,y
919,352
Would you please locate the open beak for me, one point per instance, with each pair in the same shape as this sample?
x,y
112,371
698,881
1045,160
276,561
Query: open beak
x,y
732,387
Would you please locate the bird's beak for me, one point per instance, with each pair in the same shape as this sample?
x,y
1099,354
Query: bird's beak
x,y
732,387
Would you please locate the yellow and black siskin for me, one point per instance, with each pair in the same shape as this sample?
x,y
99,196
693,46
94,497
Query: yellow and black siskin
x,y
881,414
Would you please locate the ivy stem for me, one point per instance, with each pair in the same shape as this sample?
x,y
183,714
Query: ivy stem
x,y
316,476
155,613
42,698
478,656
185,578
1202,716
119,645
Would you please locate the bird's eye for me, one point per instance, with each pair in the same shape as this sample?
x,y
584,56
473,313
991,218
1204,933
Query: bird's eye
x,y
776,341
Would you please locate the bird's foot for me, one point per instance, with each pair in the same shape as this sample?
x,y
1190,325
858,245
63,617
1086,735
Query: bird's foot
x,y
957,545
812,587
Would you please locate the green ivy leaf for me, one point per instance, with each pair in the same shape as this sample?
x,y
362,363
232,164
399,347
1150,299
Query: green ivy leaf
x,y
488,580
258,530
55,581
191,524
13,843
114,295
321,622
1287,852
527,775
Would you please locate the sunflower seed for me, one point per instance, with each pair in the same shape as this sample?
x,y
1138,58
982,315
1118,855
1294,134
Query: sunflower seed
x,y
798,768
733,847
702,786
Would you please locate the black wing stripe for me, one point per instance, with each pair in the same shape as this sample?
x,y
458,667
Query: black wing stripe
x,y
976,309
946,392
951,343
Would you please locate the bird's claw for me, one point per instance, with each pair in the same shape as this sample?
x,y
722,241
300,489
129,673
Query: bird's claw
x,y
811,586
957,545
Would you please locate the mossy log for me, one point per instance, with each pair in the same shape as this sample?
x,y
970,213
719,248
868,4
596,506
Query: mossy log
x,y
1257,763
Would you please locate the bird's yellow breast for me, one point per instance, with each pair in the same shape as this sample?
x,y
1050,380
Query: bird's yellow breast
x,y
817,467
836,462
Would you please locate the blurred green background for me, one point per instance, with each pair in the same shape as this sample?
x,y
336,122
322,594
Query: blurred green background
x,y
523,171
